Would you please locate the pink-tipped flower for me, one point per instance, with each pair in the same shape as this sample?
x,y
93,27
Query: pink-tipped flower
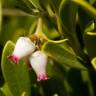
x,y
24,46
38,62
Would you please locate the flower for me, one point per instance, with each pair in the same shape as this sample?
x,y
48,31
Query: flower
x,y
24,46
38,61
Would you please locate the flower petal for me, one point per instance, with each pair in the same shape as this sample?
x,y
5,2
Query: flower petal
x,y
24,46
13,59
42,77
38,62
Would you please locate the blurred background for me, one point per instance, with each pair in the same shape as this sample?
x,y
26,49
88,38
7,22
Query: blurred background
x,y
64,81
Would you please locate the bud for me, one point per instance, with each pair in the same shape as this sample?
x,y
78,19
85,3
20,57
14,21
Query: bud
x,y
38,62
24,46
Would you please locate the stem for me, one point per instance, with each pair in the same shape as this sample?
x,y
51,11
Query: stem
x,y
59,25
58,41
50,11
39,27
41,35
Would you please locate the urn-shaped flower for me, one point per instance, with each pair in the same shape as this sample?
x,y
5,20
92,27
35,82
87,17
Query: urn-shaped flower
x,y
24,46
38,61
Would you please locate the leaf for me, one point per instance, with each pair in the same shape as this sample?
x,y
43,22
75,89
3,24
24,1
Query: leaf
x,y
90,43
35,3
53,70
88,82
62,56
80,82
92,1
93,61
0,14
29,6
24,5
68,16
68,22
16,76
14,27
86,6
6,90
55,4
1,93
50,30
84,18
90,27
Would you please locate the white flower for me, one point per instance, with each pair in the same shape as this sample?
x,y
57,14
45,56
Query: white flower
x,y
38,62
24,46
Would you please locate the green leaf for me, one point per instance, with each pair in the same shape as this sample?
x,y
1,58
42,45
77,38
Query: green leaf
x,y
68,16
68,22
86,6
50,30
25,6
90,27
90,43
16,76
93,61
84,18
87,80
14,27
92,1
35,3
62,56
29,6
6,90
55,4
0,13
1,93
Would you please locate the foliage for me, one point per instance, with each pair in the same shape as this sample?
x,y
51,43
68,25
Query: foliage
x,y
68,36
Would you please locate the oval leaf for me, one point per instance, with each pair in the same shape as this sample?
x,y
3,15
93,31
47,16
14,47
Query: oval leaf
x,y
16,76
62,56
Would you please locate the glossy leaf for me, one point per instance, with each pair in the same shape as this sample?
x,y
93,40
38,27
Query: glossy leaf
x,y
16,76
68,23
90,43
90,40
86,6
35,3
24,5
84,19
93,61
5,89
1,93
62,56
68,16
29,6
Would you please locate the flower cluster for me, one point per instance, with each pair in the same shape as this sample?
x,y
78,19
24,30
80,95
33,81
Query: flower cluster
x,y
38,59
